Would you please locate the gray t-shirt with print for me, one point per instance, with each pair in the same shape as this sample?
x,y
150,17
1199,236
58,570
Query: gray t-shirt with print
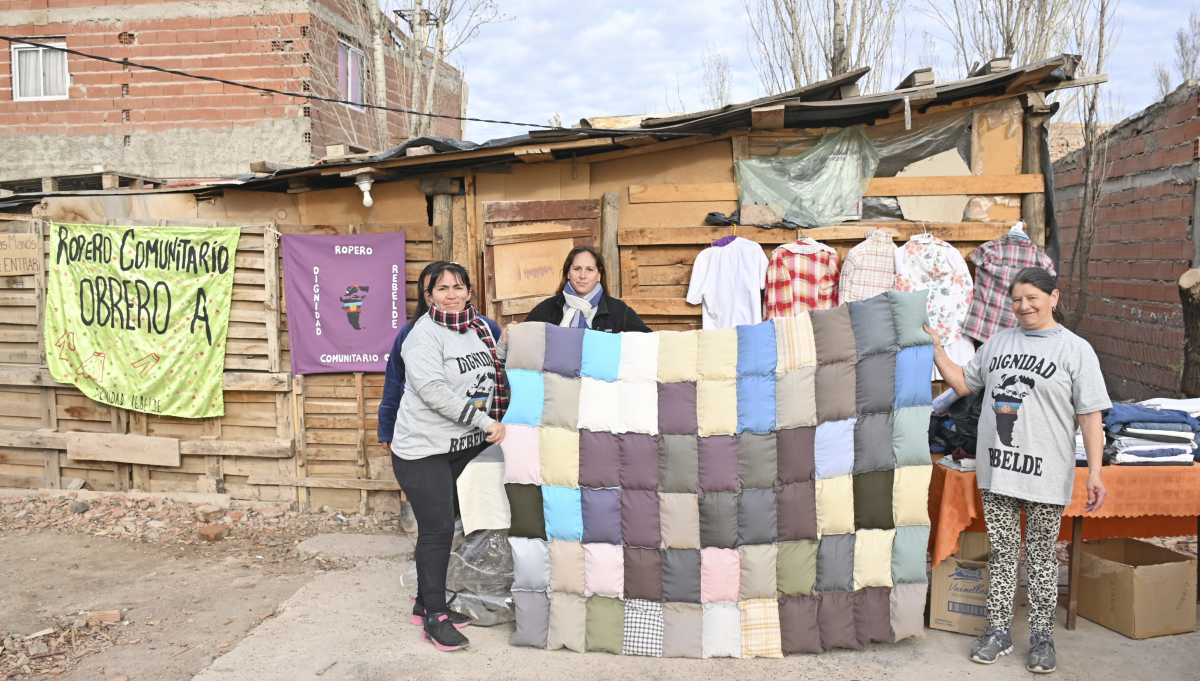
x,y
1034,383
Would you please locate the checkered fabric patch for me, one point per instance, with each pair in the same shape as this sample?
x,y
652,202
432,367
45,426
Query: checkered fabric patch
x,y
643,628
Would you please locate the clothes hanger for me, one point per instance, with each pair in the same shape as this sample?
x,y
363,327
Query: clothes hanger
x,y
728,238
1018,230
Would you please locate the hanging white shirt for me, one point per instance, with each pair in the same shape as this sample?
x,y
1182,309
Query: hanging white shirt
x,y
727,281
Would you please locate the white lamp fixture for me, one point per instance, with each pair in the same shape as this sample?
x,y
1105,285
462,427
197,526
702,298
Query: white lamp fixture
x,y
364,182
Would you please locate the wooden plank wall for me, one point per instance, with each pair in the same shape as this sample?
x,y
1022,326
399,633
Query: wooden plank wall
x,y
664,197
283,438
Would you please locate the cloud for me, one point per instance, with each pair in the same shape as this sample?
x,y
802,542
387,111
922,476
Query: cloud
x,y
608,58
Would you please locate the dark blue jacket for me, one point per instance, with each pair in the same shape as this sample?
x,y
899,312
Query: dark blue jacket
x,y
393,383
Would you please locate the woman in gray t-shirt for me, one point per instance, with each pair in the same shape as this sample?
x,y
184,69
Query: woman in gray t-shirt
x,y
1040,381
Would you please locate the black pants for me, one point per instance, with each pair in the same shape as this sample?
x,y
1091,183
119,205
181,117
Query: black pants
x,y
429,485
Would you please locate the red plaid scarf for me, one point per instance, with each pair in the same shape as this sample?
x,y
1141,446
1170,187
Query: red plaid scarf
x,y
461,322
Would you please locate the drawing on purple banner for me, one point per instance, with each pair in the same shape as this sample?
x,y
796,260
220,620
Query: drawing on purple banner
x,y
345,300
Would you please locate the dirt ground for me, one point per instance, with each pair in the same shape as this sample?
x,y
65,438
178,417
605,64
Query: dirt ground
x,y
181,600
283,596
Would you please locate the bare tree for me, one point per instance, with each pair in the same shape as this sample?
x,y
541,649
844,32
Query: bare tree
x,y
1187,48
716,78
1024,30
1162,78
673,97
555,120
1093,39
338,56
1187,56
438,29
796,42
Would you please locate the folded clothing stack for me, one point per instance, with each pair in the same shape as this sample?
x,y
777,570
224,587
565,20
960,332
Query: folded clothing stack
x,y
1149,436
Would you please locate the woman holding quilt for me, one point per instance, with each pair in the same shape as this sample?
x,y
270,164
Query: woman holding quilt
x,y
1040,381
582,301
455,393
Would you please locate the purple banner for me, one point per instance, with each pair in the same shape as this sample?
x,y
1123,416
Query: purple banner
x,y
345,300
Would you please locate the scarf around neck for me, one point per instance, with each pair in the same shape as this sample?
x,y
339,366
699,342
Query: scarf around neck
x,y
579,312
467,320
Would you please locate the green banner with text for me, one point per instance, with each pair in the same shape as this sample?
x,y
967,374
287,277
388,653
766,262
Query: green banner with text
x,y
137,317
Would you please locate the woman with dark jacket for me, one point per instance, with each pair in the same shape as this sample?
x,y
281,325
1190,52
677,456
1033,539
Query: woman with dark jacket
x,y
582,302
415,483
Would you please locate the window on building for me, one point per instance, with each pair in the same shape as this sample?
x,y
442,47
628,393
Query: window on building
x,y
39,72
351,65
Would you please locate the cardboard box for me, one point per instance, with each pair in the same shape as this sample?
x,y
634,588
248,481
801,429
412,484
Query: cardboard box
x,y
1137,589
958,588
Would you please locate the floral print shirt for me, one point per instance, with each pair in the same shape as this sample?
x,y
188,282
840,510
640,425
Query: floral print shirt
x,y
929,263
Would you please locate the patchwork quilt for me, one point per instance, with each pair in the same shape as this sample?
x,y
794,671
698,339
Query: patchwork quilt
x,y
748,492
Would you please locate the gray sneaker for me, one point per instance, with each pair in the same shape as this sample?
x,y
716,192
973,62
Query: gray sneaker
x,y
1041,658
994,644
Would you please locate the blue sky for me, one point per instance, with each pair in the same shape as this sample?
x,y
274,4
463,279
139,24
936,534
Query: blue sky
x,y
582,59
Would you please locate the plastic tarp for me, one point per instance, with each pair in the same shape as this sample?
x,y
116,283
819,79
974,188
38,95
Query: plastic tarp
x,y
824,184
821,186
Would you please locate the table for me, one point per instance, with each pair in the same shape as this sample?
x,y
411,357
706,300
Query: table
x,y
1143,501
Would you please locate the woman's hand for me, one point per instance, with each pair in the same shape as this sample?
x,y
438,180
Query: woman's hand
x,y
495,432
1095,491
937,339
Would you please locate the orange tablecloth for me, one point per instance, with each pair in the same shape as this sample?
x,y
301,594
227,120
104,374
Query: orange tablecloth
x,y
1143,501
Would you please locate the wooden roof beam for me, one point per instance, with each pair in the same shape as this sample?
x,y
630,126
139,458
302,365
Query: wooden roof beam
x,y
918,78
993,65
767,117
534,154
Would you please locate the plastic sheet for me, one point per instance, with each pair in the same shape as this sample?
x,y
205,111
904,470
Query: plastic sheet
x,y
822,186
481,573
909,146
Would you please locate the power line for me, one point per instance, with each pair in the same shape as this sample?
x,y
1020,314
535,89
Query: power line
x,y
317,98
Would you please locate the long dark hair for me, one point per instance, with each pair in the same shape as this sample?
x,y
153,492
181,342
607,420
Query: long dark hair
x,y
429,278
571,259
1034,276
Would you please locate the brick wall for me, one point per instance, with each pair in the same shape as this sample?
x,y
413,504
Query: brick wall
x,y
168,126
1143,242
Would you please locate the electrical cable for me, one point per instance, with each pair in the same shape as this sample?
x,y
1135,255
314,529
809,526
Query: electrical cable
x,y
332,100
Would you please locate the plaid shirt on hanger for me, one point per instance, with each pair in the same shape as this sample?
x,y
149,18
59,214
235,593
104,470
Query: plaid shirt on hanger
x,y
802,276
996,263
869,268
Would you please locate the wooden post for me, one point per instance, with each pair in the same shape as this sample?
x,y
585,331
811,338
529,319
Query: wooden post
x,y
443,227
271,273
740,147
39,280
301,471
460,233
1189,296
139,423
609,224
1033,206
1073,586
52,474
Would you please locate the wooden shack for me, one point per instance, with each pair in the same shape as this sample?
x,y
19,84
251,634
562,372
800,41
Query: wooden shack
x,y
508,210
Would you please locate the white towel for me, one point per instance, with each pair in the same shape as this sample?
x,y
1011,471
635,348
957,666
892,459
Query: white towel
x,y
1191,406
1133,458
481,496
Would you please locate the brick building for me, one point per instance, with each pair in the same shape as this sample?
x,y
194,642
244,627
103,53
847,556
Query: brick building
x,y
61,114
1144,240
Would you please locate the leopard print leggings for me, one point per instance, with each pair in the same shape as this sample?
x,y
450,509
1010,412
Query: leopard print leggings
x,y
1042,522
